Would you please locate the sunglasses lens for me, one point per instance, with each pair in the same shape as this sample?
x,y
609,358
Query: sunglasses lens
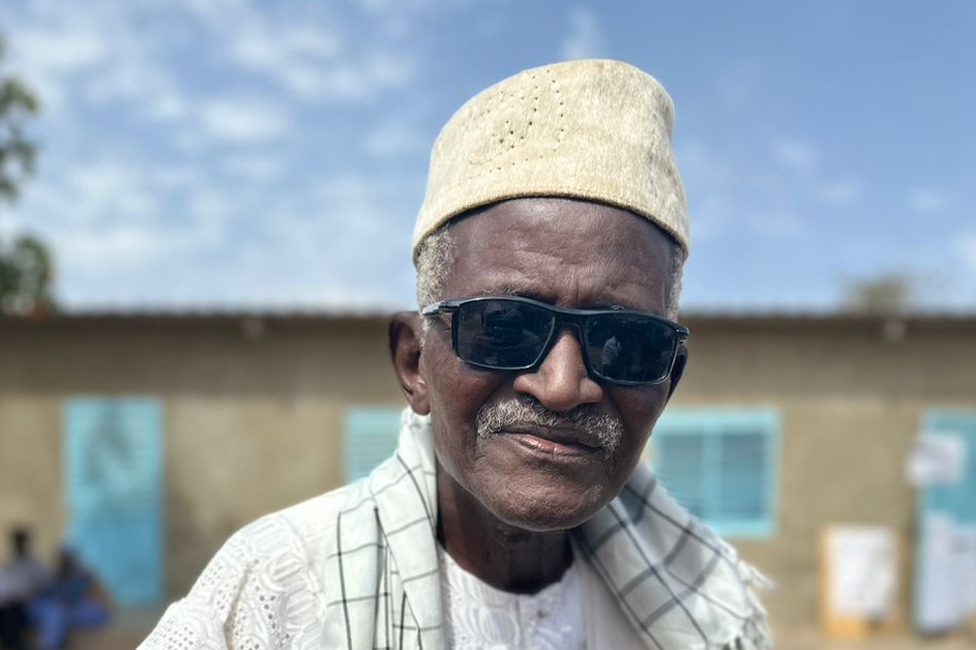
x,y
501,334
629,348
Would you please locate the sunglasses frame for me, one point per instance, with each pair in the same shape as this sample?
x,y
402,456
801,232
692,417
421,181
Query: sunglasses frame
x,y
563,316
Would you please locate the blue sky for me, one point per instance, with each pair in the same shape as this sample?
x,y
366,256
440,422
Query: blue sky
x,y
234,154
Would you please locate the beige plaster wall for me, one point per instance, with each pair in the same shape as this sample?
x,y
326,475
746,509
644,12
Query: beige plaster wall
x,y
253,415
851,401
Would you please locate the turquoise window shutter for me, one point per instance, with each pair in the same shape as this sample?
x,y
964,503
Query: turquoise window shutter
x,y
742,471
681,468
369,438
113,478
721,464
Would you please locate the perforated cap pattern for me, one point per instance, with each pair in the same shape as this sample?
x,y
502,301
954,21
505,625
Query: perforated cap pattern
x,y
593,129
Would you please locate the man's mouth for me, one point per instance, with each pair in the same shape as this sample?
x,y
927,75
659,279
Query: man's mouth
x,y
578,431
555,442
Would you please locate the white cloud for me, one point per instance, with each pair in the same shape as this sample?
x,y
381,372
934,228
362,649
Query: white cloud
x,y
143,202
702,162
245,121
111,222
585,38
94,52
349,80
256,167
777,224
319,245
384,7
134,76
840,193
209,205
124,248
49,56
300,57
110,190
393,138
170,178
739,84
258,47
168,106
796,155
742,190
966,248
928,200
65,49
310,60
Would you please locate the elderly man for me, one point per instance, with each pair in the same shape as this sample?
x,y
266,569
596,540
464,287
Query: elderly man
x,y
515,512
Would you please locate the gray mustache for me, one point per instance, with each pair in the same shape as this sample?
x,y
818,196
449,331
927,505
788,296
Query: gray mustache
x,y
600,430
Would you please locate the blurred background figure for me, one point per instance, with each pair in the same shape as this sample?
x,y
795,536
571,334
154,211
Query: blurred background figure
x,y
22,578
74,599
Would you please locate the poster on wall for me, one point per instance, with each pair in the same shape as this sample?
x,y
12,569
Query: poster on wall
x,y
859,566
860,578
862,573
113,484
936,458
966,554
938,576
945,549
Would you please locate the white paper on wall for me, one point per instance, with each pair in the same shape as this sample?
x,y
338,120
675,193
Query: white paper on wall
x,y
939,580
966,559
863,574
936,459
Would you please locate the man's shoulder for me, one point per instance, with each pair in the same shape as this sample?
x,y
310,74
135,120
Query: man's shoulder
x,y
265,581
311,522
303,533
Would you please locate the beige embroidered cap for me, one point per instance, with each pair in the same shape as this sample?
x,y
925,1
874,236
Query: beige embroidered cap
x,y
592,129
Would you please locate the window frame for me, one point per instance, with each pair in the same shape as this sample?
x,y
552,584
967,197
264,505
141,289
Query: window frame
x,y
713,424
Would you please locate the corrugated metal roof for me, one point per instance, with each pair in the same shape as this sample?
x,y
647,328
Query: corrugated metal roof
x,y
360,313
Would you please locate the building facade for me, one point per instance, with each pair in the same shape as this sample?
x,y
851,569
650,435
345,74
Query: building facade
x,y
148,439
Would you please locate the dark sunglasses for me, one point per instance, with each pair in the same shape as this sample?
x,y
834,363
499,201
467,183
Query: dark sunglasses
x,y
513,333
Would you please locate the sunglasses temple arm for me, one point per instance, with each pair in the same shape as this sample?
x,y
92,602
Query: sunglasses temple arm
x,y
441,307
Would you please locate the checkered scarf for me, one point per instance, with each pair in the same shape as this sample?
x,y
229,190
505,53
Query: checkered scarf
x,y
676,582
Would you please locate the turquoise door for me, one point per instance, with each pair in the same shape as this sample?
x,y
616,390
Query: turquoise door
x,y
113,465
945,548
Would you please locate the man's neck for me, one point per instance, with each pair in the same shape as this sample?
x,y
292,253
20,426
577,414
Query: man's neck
x,y
504,556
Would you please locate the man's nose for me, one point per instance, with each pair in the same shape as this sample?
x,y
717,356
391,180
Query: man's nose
x,y
561,382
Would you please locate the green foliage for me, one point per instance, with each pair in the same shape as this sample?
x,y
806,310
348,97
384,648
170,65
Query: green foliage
x,y
25,265
25,277
887,294
17,151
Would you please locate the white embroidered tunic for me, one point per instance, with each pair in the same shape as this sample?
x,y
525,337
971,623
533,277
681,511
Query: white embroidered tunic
x,y
481,617
357,569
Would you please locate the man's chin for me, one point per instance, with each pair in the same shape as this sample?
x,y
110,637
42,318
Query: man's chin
x,y
542,510
545,522
533,487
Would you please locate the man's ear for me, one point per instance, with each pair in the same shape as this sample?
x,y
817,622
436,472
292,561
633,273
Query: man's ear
x,y
680,360
405,349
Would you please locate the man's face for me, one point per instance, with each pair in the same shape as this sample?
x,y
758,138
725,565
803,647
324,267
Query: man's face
x,y
571,254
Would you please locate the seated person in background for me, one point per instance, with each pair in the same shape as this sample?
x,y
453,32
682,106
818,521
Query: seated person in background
x,y
21,579
73,600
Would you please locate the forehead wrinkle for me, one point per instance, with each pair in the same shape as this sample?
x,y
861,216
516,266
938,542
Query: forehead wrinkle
x,y
573,290
566,252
